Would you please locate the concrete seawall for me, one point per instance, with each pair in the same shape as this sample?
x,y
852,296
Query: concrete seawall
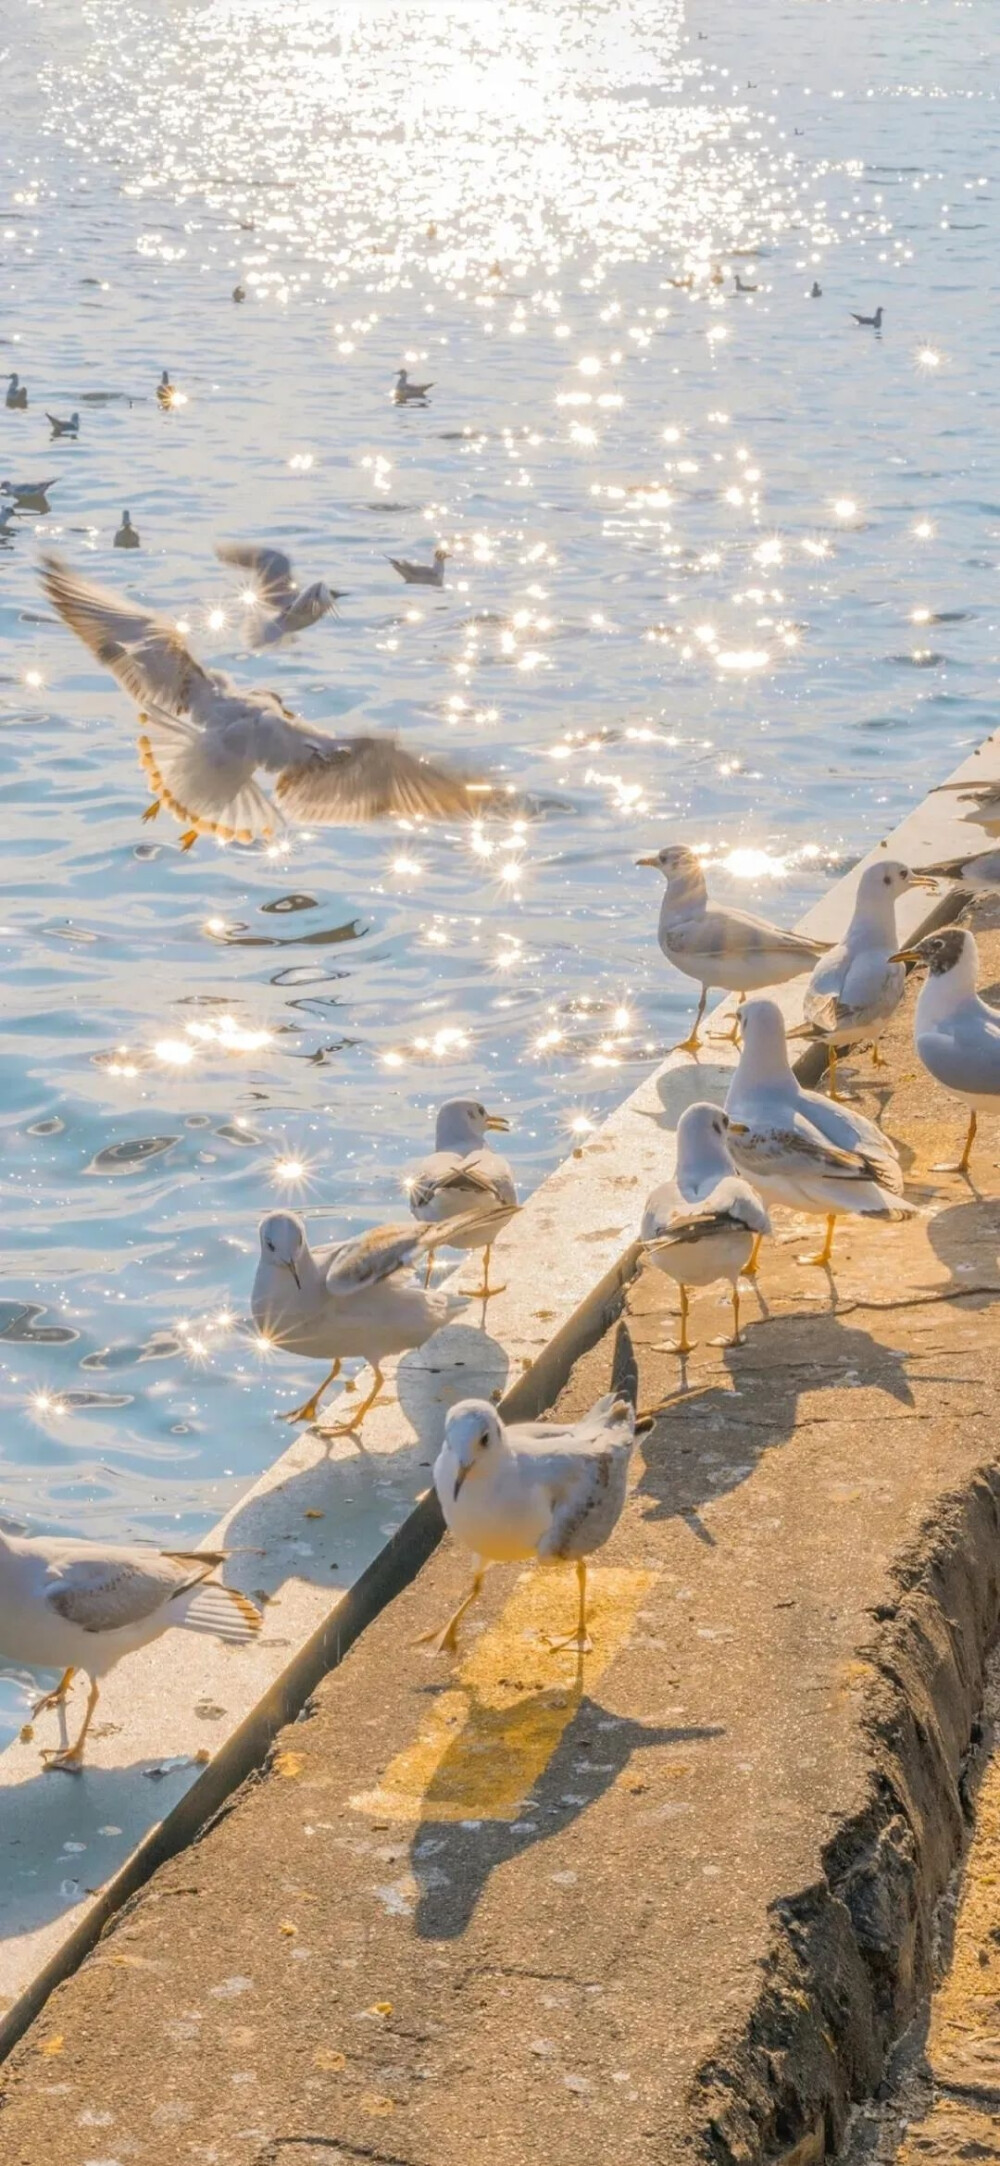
x,y
567,1261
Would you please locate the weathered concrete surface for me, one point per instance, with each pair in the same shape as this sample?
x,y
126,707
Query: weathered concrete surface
x,y
673,1905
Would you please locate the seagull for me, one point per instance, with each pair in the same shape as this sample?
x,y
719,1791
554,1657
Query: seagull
x,y
72,1606
816,291
981,873
707,1223
463,1177
800,1148
239,293
421,575
717,945
273,586
17,395
403,391
29,495
744,286
203,737
957,1034
549,1490
127,537
165,389
855,990
869,323
63,428
358,1297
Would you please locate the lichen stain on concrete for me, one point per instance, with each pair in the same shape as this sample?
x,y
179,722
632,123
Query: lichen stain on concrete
x,y
492,1734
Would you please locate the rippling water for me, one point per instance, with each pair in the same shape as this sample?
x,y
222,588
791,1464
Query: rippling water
x,y
723,566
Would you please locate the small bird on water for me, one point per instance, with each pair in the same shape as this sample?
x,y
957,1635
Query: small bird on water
x,y
816,291
127,537
71,1606
707,1223
274,588
405,393
17,395
202,737
553,1491
29,495
717,945
239,293
463,1179
869,323
744,286
955,1031
422,575
63,428
359,1297
166,392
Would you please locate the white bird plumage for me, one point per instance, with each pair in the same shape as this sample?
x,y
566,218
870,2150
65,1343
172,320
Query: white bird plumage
x,y
282,607
463,1179
855,990
421,575
800,1148
75,1605
553,1491
718,945
956,1032
358,1297
706,1223
203,737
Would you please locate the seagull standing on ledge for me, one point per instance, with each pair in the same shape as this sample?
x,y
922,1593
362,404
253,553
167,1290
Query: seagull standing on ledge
x,y
717,945
72,1606
549,1490
707,1223
800,1148
463,1178
203,738
956,1033
274,587
855,990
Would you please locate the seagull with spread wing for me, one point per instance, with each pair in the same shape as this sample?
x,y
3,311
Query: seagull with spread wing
x,y
359,1297
75,1605
463,1182
281,607
203,738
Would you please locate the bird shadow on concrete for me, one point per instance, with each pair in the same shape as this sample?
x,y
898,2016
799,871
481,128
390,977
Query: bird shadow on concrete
x,y
328,1517
965,1237
706,1443
66,1835
452,1859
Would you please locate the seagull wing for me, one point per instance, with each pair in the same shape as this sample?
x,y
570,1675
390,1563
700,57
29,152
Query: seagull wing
x,y
732,1207
353,780
373,1256
467,1182
717,931
120,1587
142,650
270,570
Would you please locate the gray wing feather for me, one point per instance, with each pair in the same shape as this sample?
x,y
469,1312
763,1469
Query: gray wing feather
x,y
371,778
145,653
270,569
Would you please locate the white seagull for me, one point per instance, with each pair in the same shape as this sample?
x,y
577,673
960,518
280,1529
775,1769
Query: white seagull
x,y
203,738
549,1490
274,588
718,945
855,990
707,1223
956,1033
800,1148
422,575
72,1606
463,1178
357,1298
403,391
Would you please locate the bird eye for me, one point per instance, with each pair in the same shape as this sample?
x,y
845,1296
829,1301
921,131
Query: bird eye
x,y
484,1440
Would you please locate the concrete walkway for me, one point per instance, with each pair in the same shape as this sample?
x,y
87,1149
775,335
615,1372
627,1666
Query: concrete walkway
x,y
674,1903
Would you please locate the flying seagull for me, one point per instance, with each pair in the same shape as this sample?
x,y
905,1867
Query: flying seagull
x,y
275,589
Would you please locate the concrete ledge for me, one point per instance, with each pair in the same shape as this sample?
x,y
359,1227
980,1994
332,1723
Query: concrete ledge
x,y
567,1259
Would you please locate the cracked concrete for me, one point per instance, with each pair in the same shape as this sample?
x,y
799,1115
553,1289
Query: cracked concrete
x,y
674,1903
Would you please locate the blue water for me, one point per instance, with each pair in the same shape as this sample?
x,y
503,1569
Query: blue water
x,y
655,622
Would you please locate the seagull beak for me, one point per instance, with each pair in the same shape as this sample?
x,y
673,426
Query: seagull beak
x,y
459,1479
496,1120
906,955
923,879
295,1274
738,1128
648,861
